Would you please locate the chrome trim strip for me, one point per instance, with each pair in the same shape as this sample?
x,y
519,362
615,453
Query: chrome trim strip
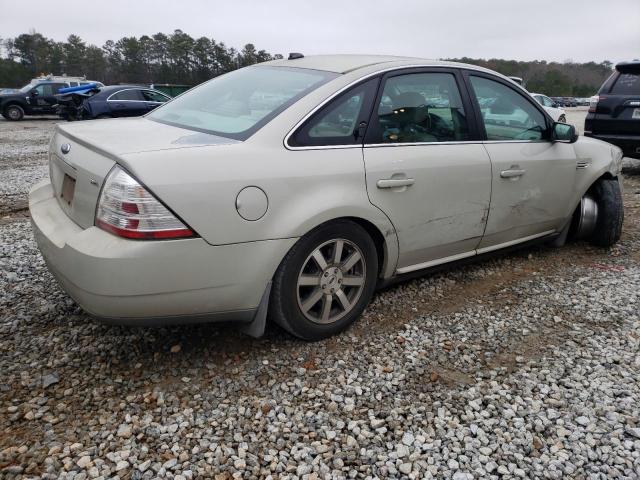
x,y
346,87
391,69
460,256
513,242
139,101
462,142
433,263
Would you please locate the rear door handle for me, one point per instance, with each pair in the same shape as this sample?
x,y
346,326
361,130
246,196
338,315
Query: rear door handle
x,y
512,173
395,182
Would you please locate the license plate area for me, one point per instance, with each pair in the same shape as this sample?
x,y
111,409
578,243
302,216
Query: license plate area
x,y
68,189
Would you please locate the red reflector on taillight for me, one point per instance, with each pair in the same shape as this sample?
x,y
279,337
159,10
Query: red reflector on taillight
x,y
138,235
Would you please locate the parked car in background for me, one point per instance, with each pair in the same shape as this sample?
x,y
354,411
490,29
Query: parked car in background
x,y
65,79
614,113
111,101
37,97
32,99
570,102
583,101
552,108
340,179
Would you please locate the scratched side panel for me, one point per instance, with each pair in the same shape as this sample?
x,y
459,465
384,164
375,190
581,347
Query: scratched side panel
x,y
445,210
538,201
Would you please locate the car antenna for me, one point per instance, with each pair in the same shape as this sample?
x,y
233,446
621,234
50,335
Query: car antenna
x,y
295,56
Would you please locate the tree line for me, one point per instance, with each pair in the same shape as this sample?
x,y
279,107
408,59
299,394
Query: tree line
x,y
180,58
567,79
160,58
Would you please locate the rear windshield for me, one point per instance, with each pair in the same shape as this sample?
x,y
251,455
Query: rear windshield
x,y
237,104
627,84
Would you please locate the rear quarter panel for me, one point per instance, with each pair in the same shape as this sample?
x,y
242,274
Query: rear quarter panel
x,y
304,189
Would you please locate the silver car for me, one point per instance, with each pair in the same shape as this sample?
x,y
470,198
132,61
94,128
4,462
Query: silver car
x,y
292,189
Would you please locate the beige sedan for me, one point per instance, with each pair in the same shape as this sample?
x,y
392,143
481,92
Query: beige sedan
x,y
292,189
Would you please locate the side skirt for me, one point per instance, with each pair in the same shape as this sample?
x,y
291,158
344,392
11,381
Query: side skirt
x,y
386,283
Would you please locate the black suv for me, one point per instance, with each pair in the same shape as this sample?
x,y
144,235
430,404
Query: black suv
x,y
614,113
38,99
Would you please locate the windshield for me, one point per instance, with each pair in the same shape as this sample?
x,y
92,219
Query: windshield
x,y
237,104
26,88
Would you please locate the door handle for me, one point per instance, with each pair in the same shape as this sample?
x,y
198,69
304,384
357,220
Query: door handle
x,y
395,182
512,173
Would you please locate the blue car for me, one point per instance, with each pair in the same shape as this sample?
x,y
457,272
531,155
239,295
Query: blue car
x,y
110,101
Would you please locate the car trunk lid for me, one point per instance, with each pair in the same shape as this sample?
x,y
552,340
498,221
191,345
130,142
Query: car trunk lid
x,y
82,154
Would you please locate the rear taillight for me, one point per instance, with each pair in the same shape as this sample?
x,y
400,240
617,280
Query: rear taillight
x,y
128,210
593,103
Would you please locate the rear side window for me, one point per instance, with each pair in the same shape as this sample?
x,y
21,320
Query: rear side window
x,y
419,108
341,122
130,94
627,84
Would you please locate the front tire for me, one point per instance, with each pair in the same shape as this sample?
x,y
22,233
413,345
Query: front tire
x,y
13,113
610,213
562,119
325,281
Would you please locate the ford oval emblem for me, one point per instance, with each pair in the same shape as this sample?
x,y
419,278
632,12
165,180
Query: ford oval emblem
x,y
65,148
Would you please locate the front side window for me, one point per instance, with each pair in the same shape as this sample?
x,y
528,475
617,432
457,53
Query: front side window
x,y
237,104
44,89
341,122
419,107
506,114
129,94
151,96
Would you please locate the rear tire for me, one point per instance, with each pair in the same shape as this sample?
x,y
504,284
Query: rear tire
x,y
13,113
325,281
610,213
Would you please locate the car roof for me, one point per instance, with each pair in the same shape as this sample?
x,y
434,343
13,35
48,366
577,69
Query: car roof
x,y
347,63
111,88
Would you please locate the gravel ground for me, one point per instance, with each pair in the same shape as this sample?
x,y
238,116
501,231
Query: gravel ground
x,y
523,366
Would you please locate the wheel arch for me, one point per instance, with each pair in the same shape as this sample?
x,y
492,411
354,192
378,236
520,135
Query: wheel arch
x,y
16,103
383,236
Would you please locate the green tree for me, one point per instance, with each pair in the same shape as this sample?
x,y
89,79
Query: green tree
x,y
75,51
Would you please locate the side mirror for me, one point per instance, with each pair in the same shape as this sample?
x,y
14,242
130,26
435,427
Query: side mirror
x,y
564,132
555,105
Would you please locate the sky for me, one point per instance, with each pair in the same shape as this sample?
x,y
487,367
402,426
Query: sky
x,y
552,30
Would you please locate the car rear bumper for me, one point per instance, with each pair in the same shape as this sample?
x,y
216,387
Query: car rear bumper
x,y
152,282
629,144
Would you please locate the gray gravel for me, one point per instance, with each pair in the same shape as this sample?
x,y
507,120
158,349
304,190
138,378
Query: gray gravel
x,y
523,366
23,160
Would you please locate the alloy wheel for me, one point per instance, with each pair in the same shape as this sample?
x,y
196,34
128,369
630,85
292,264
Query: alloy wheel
x,y
331,281
14,113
